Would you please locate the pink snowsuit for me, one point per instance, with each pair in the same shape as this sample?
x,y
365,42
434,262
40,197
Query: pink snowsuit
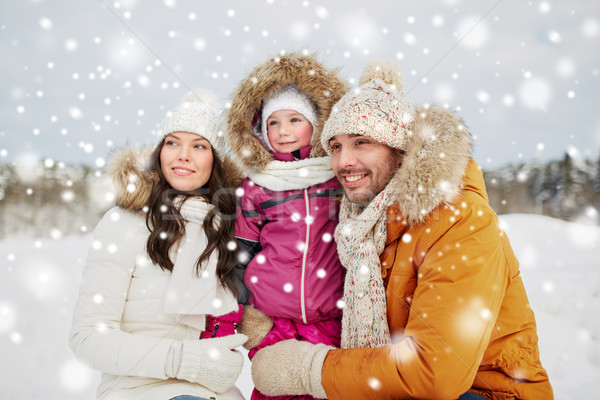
x,y
295,276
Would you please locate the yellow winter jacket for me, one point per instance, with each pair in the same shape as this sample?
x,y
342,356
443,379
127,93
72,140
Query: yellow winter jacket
x,y
456,306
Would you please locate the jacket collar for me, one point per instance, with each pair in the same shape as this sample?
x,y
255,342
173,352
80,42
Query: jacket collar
x,y
299,154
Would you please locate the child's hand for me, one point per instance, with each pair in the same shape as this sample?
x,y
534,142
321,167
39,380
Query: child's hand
x,y
222,325
255,325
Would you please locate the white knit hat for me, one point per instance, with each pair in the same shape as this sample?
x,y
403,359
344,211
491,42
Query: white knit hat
x,y
198,113
378,109
288,99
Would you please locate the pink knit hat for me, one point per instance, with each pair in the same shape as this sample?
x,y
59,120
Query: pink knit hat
x,y
377,108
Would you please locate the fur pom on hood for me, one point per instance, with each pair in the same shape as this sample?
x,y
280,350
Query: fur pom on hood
x,y
322,85
133,183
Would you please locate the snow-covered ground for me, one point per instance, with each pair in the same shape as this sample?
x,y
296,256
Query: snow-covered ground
x,y
39,280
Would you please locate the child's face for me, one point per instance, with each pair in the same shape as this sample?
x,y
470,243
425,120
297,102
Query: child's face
x,y
288,130
186,160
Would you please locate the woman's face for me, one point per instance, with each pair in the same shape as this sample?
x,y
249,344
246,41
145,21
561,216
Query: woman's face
x,y
186,160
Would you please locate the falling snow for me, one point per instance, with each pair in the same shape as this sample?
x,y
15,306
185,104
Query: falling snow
x,y
39,281
521,74
516,72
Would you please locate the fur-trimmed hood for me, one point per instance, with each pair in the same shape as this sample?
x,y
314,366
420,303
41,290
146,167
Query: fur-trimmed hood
x,y
132,182
322,85
128,170
438,152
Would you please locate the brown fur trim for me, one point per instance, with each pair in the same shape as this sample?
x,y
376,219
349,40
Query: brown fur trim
x,y
431,173
133,183
322,85
233,172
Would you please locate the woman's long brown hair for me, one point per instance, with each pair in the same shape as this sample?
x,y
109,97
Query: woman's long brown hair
x,y
167,226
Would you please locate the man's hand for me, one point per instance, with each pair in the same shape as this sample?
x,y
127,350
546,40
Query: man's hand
x,y
290,367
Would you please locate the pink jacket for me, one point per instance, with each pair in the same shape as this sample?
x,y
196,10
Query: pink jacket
x,y
297,273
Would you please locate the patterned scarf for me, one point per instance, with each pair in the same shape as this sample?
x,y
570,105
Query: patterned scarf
x,y
361,235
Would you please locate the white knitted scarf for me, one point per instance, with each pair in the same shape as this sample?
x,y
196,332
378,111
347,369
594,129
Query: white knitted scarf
x,y
292,175
188,295
361,235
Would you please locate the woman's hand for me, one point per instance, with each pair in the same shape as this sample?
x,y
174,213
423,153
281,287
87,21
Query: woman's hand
x,y
212,363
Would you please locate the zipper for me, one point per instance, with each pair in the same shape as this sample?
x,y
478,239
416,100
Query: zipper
x,y
304,255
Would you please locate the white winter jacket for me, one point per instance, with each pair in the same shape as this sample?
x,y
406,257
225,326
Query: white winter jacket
x,y
119,326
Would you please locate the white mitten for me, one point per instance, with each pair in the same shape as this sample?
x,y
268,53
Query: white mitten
x,y
212,363
290,367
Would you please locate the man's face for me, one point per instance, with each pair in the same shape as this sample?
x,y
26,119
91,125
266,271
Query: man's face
x,y
363,166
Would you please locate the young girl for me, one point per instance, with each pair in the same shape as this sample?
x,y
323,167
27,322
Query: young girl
x,y
288,204
160,262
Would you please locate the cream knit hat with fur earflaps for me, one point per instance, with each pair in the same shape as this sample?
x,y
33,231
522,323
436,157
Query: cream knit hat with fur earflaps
x,y
377,108
198,113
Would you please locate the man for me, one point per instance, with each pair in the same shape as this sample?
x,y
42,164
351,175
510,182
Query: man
x,y
434,304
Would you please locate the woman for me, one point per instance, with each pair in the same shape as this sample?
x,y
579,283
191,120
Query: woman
x,y
161,262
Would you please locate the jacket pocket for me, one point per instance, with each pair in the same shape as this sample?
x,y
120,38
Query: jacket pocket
x,y
399,293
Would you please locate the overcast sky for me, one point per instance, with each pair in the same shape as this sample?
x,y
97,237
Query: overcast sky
x,y
81,78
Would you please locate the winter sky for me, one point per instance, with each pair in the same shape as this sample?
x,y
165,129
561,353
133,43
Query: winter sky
x,y
80,78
